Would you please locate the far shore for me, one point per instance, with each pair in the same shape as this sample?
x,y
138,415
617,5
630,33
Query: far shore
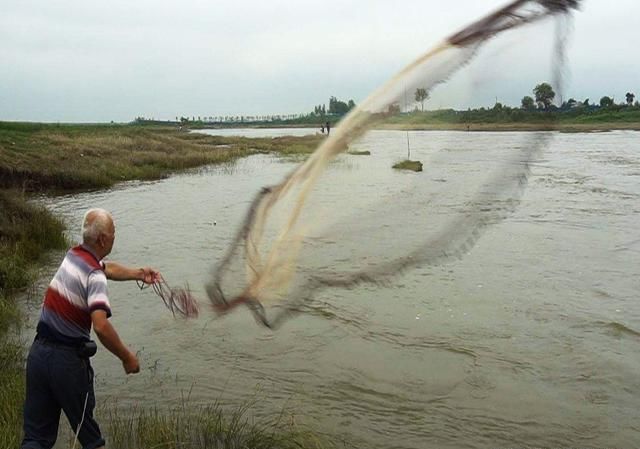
x,y
562,127
495,127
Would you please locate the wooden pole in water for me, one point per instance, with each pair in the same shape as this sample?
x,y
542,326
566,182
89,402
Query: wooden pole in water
x,y
408,147
407,110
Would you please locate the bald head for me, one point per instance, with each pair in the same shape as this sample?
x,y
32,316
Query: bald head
x,y
96,222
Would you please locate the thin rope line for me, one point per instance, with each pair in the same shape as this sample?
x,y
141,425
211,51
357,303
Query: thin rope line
x,y
84,409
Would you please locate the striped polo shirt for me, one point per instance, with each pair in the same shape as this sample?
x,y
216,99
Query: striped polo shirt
x,y
78,288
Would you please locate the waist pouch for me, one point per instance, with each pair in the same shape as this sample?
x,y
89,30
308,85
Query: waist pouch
x,y
87,349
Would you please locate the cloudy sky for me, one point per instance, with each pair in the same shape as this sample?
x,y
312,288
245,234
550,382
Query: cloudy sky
x,y
89,61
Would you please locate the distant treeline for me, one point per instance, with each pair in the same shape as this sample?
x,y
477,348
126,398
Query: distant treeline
x,y
337,108
538,108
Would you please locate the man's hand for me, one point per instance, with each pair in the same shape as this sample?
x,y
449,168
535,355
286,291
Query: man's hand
x,y
131,364
149,275
110,339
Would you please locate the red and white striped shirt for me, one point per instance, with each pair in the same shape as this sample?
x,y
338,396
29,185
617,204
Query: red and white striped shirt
x,y
78,288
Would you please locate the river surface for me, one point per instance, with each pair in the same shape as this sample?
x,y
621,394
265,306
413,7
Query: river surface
x,y
530,340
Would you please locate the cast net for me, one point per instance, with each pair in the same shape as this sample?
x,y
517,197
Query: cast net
x,y
179,300
333,223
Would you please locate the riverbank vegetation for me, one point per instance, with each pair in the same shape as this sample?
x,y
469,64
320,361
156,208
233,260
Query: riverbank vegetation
x,y
52,158
191,426
204,427
46,157
27,232
504,118
408,165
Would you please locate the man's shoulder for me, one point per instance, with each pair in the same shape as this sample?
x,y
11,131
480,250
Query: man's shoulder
x,y
82,255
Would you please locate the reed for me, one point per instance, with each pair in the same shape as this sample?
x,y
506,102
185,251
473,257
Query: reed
x,y
11,382
75,157
26,233
203,427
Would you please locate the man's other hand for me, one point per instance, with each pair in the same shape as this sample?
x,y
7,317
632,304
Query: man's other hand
x,y
131,364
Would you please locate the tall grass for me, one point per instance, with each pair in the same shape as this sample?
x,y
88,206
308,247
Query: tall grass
x,y
203,427
26,233
11,388
49,157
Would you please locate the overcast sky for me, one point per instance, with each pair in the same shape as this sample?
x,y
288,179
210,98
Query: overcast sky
x,y
87,61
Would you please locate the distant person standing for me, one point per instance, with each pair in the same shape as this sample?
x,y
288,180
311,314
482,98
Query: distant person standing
x,y
322,128
328,126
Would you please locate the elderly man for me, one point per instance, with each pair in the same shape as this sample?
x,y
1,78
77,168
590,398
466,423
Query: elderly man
x,y
59,375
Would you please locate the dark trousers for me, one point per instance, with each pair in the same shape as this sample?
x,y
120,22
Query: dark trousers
x,y
58,379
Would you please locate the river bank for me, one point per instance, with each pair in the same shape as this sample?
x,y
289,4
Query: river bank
x,y
48,157
489,127
518,127
40,158
499,118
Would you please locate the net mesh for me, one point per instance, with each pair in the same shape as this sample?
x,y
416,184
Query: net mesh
x,y
329,226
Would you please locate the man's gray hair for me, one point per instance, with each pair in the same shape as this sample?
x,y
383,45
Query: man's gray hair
x,y
95,222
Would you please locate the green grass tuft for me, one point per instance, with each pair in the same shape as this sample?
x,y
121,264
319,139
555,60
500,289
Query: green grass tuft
x,y
409,165
203,427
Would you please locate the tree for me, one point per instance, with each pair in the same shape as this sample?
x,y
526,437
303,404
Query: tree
x,y
630,98
544,95
527,103
338,107
606,102
421,96
571,103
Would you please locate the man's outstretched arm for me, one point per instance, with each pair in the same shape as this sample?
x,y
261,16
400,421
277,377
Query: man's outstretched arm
x,y
119,272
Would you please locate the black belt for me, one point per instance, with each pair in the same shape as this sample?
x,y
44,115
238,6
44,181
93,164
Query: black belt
x,y
84,349
58,344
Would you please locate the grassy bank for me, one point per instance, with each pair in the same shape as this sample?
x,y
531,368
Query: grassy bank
x,y
50,158
512,119
36,157
26,233
203,427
